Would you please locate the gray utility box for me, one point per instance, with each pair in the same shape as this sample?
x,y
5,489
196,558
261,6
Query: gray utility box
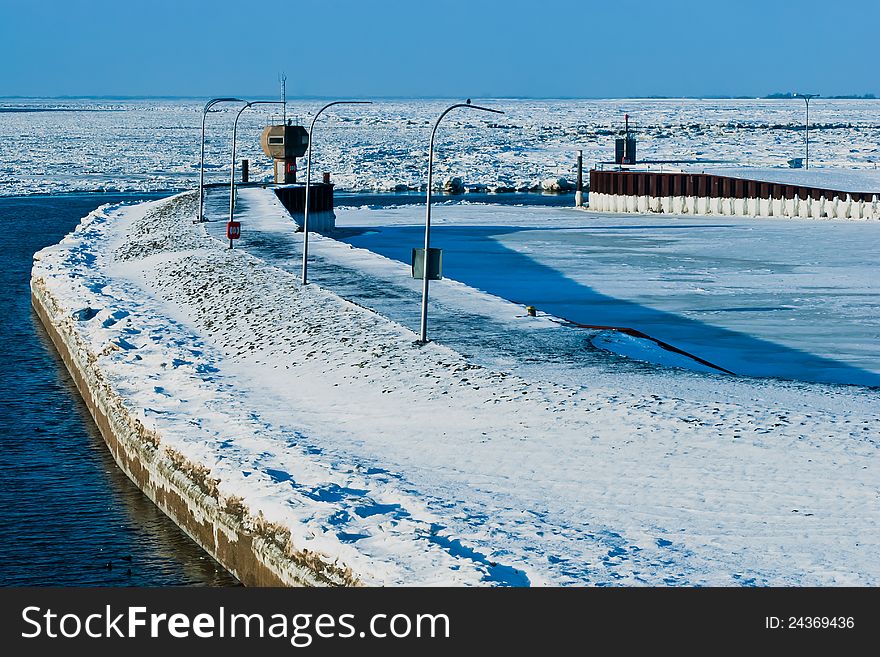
x,y
435,264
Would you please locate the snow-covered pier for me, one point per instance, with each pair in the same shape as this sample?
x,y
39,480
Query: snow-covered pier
x,y
813,194
303,439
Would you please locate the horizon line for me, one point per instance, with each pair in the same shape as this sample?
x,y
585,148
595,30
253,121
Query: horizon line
x,y
774,96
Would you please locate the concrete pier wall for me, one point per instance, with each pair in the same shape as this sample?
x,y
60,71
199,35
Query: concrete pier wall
x,y
256,552
322,218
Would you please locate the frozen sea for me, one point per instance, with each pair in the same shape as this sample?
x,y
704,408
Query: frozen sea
x,y
52,146
792,299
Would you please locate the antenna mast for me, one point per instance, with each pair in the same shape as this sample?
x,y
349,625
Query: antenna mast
x,y
284,99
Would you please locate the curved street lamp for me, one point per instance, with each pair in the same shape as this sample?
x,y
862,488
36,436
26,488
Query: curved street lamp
x,y
208,106
807,98
423,333
309,181
232,172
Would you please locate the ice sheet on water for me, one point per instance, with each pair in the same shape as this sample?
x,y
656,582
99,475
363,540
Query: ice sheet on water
x,y
154,144
788,298
839,180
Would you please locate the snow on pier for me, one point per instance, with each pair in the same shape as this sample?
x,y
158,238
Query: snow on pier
x,y
365,459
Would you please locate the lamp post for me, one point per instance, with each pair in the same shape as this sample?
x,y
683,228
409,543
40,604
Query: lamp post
x,y
423,332
309,181
208,106
232,172
807,98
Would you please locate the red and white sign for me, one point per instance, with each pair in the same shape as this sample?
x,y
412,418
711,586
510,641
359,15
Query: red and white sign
x,y
233,230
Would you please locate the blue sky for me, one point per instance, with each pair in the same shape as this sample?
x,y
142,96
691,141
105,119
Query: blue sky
x,y
480,48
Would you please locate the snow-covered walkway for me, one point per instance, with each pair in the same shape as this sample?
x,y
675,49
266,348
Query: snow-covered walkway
x,y
420,465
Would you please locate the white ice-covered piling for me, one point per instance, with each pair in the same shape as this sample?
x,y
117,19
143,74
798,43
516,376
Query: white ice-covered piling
x,y
708,194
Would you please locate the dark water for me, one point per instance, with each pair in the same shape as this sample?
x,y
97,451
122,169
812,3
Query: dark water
x,y
387,199
68,516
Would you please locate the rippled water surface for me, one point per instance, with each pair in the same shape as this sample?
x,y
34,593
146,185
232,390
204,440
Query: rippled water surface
x,y
68,515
